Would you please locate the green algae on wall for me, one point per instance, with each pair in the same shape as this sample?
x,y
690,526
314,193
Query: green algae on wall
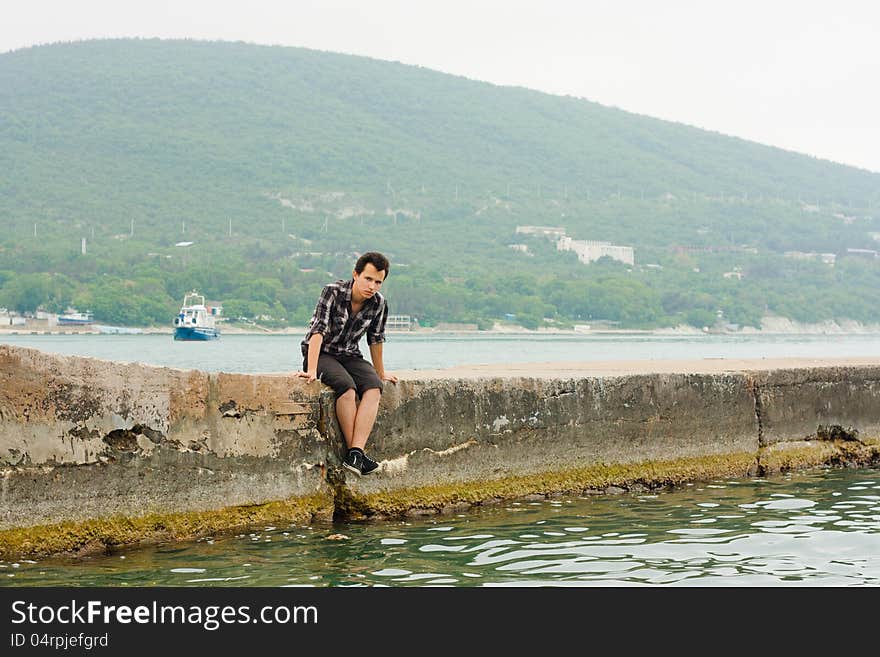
x,y
346,504
781,457
106,533
648,474
598,479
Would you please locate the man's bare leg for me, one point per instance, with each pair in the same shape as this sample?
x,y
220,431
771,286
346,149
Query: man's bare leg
x,y
346,411
365,417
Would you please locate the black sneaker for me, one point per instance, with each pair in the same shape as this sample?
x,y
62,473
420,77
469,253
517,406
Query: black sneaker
x,y
369,465
354,461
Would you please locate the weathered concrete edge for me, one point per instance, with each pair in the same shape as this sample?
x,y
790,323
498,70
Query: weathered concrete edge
x,y
610,478
627,428
108,533
102,534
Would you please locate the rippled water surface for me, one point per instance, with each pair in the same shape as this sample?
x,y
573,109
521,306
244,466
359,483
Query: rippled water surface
x,y
819,527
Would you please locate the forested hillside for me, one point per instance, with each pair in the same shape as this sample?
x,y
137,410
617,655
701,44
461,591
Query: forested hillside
x,y
278,165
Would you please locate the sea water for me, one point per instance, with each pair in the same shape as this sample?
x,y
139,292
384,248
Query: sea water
x,y
281,353
818,527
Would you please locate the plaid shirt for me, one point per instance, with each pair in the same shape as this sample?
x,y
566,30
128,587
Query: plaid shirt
x,y
341,331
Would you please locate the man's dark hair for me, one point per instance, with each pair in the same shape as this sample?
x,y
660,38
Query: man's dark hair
x,y
374,258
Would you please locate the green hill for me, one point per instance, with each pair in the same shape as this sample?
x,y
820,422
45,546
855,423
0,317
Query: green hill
x,y
277,160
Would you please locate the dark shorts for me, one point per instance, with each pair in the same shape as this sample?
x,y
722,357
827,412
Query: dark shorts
x,y
342,373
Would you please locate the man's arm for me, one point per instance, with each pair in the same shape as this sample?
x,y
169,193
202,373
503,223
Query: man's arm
x,y
315,343
376,357
319,325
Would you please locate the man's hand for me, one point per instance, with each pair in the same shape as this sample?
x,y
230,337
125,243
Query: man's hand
x,y
390,378
308,376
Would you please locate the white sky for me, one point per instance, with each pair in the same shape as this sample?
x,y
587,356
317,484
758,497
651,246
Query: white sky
x,y
800,74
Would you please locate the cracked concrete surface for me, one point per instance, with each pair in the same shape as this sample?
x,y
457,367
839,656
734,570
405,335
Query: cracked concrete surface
x,y
83,439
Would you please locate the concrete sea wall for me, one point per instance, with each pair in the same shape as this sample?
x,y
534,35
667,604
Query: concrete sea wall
x,y
96,453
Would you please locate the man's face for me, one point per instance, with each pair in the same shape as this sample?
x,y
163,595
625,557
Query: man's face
x,y
368,282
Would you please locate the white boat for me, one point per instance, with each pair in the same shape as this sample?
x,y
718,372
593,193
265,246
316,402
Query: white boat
x,y
74,318
195,321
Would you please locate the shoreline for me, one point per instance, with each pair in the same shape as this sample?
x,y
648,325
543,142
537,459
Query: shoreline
x,y
770,326
667,333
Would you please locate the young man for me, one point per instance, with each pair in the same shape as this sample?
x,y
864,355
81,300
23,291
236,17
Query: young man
x,y
345,311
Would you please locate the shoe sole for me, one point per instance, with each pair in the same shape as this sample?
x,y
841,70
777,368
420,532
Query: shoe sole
x,y
352,469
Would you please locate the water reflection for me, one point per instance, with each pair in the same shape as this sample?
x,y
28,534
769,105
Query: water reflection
x,y
813,528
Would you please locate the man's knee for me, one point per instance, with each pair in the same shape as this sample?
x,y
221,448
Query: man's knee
x,y
371,393
348,395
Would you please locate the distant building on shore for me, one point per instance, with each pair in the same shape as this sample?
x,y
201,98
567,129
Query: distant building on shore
x,y
401,323
589,250
11,318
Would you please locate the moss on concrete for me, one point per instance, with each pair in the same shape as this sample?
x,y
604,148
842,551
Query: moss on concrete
x,y
105,533
649,474
345,503
783,457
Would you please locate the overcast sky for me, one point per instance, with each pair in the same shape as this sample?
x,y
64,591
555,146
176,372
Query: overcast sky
x,y
799,74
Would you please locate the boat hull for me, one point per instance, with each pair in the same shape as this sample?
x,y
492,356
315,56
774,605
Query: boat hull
x,y
195,333
66,321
